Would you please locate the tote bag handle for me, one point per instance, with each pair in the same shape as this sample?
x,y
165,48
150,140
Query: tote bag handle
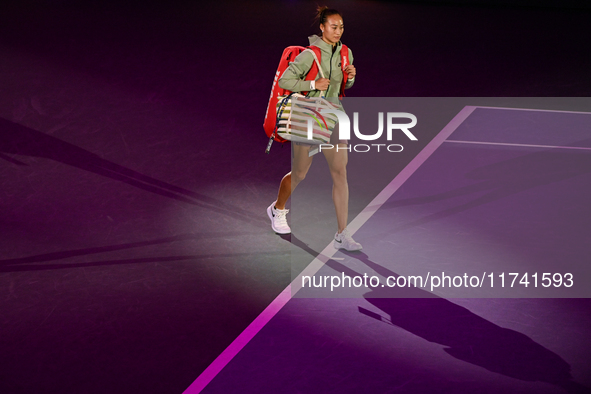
x,y
322,93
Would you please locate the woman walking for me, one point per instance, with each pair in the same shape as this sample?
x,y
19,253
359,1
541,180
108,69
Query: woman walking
x,y
329,42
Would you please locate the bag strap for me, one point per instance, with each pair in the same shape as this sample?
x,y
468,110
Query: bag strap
x,y
316,60
344,63
313,50
313,72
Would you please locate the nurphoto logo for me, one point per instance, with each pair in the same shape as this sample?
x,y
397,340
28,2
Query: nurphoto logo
x,y
345,129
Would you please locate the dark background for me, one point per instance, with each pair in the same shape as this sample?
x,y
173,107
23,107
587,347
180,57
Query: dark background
x,y
116,116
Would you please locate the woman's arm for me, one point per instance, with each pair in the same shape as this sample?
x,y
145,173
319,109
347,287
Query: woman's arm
x,y
297,70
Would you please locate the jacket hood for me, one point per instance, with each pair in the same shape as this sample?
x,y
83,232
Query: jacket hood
x,y
320,43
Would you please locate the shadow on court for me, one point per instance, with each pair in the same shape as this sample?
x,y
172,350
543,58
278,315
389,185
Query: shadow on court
x,y
464,335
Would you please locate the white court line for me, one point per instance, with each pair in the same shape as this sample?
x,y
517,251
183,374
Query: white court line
x,y
534,110
278,303
520,145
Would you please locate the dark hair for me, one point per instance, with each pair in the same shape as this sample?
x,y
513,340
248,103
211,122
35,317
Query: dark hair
x,y
324,12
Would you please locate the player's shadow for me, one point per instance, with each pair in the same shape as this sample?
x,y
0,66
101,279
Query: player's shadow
x,y
465,335
499,180
20,140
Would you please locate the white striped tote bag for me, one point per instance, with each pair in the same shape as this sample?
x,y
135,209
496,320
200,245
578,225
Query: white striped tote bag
x,y
300,119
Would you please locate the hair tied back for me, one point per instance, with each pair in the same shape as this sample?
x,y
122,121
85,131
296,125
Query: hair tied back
x,y
323,12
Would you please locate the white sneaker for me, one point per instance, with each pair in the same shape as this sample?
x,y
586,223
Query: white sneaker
x,y
345,241
278,219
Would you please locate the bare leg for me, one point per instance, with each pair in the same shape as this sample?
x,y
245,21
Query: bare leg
x,y
284,191
337,163
300,165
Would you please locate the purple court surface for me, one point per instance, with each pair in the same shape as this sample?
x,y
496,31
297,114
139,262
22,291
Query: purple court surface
x,y
135,252
477,199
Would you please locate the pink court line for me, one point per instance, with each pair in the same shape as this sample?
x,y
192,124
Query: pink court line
x,y
283,298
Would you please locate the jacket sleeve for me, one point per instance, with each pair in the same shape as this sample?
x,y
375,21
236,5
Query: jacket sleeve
x,y
292,78
350,82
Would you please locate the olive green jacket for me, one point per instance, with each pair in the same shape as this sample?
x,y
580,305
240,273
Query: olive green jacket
x,y
293,77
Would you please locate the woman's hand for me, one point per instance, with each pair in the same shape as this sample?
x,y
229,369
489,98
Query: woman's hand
x,y
351,71
322,84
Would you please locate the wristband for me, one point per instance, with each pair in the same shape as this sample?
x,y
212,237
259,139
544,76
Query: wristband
x,y
312,85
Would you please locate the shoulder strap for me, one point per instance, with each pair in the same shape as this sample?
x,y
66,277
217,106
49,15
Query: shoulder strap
x,y
344,63
315,69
